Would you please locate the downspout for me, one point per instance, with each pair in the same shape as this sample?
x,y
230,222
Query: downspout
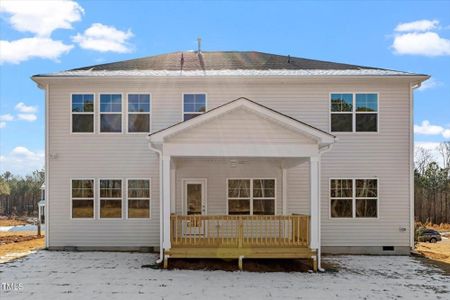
x,y
319,248
161,213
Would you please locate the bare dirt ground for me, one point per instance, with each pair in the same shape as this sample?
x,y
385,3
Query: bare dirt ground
x,y
11,222
17,244
439,251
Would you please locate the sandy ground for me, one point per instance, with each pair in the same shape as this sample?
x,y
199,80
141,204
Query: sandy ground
x,y
17,244
439,251
106,275
11,222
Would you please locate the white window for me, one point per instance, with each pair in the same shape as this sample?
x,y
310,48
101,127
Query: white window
x,y
193,105
82,195
138,198
111,198
82,109
111,113
354,112
139,109
354,198
251,196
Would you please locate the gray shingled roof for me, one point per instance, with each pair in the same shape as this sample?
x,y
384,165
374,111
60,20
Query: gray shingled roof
x,y
224,63
221,60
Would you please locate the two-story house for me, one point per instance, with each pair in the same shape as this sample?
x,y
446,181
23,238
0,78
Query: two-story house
x,y
230,154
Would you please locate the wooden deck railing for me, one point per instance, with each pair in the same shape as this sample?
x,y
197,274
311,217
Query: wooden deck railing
x,y
224,231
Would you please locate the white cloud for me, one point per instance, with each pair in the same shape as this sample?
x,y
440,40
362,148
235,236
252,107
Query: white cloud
x,y
432,148
429,84
23,108
420,38
41,17
35,47
6,118
426,128
104,38
423,43
420,25
22,161
27,117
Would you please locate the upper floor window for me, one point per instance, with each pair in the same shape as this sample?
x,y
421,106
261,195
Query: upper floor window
x,y
82,113
354,112
110,113
193,105
354,198
139,113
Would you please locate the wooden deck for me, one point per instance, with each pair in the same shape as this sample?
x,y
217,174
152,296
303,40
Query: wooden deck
x,y
238,237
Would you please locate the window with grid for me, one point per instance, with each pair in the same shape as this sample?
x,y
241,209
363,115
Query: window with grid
x,y
251,196
82,195
111,113
139,113
138,198
82,113
354,112
110,198
193,105
354,198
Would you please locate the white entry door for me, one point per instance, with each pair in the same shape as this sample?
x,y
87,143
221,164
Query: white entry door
x,y
194,193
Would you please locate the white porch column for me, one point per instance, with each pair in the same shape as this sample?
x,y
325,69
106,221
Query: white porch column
x,y
314,205
166,201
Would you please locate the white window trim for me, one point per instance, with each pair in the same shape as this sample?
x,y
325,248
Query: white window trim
x,y
139,113
149,200
110,113
251,198
354,199
354,112
192,113
100,199
82,113
93,199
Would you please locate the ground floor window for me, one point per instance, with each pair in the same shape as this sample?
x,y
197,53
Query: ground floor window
x,y
82,194
138,198
111,198
354,198
251,196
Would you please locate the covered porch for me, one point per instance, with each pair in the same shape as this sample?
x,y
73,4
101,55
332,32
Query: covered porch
x,y
225,195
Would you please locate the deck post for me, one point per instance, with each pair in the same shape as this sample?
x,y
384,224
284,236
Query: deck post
x,y
315,210
241,263
166,201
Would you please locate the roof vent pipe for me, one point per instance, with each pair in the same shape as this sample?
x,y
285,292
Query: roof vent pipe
x,y
199,44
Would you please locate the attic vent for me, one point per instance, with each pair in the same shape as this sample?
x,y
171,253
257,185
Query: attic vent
x,y
388,248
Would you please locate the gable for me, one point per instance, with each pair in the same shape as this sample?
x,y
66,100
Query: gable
x,y
240,125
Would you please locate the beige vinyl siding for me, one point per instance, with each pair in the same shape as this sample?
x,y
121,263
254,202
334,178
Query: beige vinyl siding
x,y
217,171
240,126
384,154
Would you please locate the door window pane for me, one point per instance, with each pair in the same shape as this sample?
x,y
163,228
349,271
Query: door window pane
x,y
194,198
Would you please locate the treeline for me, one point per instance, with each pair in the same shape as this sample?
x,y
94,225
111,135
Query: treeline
x,y
19,195
432,186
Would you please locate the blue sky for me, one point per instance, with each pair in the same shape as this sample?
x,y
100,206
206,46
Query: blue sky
x,y
42,37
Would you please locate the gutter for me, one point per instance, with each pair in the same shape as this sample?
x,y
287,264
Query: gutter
x,y
161,207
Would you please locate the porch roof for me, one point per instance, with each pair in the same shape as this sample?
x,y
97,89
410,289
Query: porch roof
x,y
323,138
